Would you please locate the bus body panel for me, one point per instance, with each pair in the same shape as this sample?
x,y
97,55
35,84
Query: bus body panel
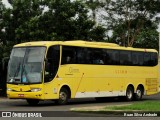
x,y
111,82
88,80
22,91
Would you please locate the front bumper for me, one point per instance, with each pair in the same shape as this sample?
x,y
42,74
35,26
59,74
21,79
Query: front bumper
x,y
25,95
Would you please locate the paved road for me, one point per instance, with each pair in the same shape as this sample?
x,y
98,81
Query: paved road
x,y
21,105
60,111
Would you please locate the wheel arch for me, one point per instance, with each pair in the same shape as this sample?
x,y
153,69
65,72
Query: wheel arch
x,y
130,92
142,87
67,88
132,86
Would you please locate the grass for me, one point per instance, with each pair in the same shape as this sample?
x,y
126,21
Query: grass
x,y
140,106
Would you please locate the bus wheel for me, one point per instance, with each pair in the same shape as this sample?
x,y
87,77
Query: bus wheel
x,y
32,101
129,93
139,93
63,97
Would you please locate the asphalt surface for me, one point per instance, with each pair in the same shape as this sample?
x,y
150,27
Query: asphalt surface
x,y
50,109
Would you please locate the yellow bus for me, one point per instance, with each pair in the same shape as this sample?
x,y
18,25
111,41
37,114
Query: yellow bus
x,y
62,70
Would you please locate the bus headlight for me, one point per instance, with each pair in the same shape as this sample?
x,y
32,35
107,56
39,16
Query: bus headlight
x,y
35,89
9,89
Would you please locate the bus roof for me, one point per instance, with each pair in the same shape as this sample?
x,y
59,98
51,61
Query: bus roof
x,y
84,44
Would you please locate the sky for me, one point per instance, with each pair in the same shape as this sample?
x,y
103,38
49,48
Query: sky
x,y
8,5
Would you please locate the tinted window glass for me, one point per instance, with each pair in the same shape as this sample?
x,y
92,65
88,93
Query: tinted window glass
x,y
154,59
82,55
68,55
147,58
52,63
140,58
112,57
125,58
137,58
96,56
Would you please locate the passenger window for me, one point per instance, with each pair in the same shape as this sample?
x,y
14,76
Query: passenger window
x,y
147,58
68,55
125,58
154,59
96,56
82,56
137,58
112,57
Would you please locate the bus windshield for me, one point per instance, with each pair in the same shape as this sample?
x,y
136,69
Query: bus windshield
x,y
25,65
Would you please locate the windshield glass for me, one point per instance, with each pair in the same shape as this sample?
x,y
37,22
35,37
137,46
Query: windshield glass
x,y
25,65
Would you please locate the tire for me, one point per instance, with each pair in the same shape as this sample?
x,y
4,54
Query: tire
x,y
139,93
63,97
129,93
32,101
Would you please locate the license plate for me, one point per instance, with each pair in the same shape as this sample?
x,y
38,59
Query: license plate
x,y
20,95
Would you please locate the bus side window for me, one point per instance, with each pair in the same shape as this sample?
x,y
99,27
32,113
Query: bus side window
x,y
52,63
125,58
68,55
97,56
137,58
154,59
112,57
147,58
81,55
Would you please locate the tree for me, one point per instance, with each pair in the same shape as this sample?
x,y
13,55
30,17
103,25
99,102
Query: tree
x,y
148,39
33,20
3,41
68,20
2,25
94,6
23,20
64,20
128,18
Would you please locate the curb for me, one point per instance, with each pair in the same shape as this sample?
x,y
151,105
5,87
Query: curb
x,y
5,99
94,108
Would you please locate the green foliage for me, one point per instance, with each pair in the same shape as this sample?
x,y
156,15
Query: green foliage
x,y
143,106
24,19
94,5
2,25
133,22
128,19
33,20
69,21
147,39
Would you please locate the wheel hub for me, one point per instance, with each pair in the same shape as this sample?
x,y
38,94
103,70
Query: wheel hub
x,y
63,96
129,94
138,93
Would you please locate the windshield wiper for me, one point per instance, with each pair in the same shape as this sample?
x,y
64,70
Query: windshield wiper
x,y
16,73
24,75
